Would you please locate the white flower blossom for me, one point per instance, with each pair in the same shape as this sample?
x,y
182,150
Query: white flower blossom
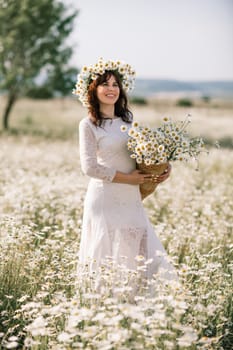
x,y
91,73
168,142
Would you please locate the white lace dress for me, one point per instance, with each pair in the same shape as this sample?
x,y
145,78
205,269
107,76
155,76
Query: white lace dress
x,y
114,221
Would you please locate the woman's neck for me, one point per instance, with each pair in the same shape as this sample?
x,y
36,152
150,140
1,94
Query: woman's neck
x,y
107,111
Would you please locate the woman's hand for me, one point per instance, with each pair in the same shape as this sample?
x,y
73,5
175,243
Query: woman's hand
x,y
137,178
165,175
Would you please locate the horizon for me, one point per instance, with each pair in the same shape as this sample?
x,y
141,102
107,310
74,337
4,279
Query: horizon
x,y
187,81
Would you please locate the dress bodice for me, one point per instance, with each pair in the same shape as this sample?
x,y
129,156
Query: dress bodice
x,y
103,150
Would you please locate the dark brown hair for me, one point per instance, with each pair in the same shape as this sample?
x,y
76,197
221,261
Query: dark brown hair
x,y
121,106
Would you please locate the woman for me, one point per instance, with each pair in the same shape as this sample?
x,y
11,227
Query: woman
x,y
114,220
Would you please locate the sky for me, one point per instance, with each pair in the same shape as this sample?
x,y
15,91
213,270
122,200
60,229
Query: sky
x,y
161,39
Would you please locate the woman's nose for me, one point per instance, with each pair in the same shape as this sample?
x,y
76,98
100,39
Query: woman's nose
x,y
113,87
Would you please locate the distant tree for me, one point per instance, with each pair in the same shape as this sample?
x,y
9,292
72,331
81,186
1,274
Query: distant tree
x,y
206,98
40,92
137,100
32,40
60,81
184,102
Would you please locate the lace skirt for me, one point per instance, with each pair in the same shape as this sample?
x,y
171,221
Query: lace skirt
x,y
115,225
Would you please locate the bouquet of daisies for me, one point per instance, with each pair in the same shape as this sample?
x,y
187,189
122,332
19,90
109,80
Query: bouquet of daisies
x,y
153,148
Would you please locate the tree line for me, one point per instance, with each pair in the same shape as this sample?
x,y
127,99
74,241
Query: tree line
x,y
33,45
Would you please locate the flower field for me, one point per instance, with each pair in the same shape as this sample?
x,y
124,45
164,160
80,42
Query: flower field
x,y
44,302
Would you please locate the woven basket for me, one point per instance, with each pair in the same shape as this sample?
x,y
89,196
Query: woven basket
x,y
156,169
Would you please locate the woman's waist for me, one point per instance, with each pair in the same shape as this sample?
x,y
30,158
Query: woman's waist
x,y
123,165
114,191
112,187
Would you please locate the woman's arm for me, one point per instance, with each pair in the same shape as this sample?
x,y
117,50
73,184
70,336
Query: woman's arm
x,y
132,178
88,158
165,175
137,178
90,166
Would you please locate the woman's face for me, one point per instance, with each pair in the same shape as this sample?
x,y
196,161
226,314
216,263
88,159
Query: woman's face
x,y
108,92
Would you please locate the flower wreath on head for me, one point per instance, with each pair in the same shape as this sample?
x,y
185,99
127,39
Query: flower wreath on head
x,y
88,74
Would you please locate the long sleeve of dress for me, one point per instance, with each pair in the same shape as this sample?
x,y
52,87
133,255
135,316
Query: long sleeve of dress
x,y
88,155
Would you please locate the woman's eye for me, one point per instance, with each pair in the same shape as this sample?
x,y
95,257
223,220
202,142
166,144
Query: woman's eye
x,y
107,84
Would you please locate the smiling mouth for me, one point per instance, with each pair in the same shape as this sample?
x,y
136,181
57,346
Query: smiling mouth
x,y
110,95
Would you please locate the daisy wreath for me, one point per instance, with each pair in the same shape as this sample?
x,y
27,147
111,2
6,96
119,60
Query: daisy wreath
x,y
90,73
